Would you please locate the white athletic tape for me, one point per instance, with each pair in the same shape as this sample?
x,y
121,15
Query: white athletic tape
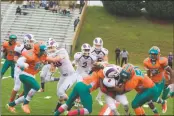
x,y
47,97
145,106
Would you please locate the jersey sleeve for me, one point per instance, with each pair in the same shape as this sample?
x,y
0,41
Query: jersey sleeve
x,y
5,45
163,62
105,51
131,84
77,56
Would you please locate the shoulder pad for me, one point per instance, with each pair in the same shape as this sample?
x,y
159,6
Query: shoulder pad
x,y
163,60
5,44
77,55
105,51
18,48
93,57
146,60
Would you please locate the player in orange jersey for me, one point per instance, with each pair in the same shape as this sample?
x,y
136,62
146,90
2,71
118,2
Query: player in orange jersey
x,y
8,53
30,62
133,78
156,67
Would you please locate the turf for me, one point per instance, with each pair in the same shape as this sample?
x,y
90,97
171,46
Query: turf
x,y
137,35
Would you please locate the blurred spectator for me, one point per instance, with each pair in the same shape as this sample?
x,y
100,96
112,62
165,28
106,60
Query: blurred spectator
x,y
55,8
72,6
124,55
76,23
47,7
51,4
117,55
18,10
170,59
82,3
25,3
32,4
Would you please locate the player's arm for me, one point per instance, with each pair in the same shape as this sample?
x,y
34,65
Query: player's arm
x,y
53,59
21,62
169,69
146,68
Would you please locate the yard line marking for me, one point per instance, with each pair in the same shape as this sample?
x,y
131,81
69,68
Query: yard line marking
x,y
5,77
145,106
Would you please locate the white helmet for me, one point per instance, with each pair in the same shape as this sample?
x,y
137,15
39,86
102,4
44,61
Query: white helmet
x,y
112,72
98,43
29,40
109,82
86,49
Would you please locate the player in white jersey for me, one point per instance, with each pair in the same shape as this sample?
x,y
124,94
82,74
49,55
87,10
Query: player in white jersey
x,y
102,56
111,79
28,43
46,75
84,61
67,72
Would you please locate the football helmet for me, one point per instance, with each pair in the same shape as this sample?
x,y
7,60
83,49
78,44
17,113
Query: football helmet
x,y
111,72
12,38
98,43
125,74
85,48
154,53
29,41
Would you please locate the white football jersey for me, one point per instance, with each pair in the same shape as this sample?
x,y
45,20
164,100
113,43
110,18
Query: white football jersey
x,y
99,54
64,65
84,63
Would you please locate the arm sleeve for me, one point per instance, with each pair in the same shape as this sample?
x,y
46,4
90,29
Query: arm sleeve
x,y
130,85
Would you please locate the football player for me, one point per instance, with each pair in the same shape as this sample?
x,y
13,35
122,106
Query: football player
x,y
102,56
28,43
156,66
8,53
84,61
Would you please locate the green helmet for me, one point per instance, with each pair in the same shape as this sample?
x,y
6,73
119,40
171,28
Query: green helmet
x,y
124,76
43,47
12,36
153,51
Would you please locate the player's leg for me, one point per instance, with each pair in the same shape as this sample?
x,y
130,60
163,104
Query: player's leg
x,y
72,97
31,83
60,101
99,97
111,104
17,84
12,64
86,99
123,100
5,66
160,87
142,98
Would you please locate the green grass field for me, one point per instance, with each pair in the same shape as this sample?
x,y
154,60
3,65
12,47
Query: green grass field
x,y
136,35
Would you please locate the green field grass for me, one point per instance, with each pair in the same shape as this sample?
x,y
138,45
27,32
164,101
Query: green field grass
x,y
136,35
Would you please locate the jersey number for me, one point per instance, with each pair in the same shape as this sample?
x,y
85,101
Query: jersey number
x,y
139,73
84,65
37,66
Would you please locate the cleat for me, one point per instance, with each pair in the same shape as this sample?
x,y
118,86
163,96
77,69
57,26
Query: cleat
x,y
11,109
26,108
164,107
99,101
